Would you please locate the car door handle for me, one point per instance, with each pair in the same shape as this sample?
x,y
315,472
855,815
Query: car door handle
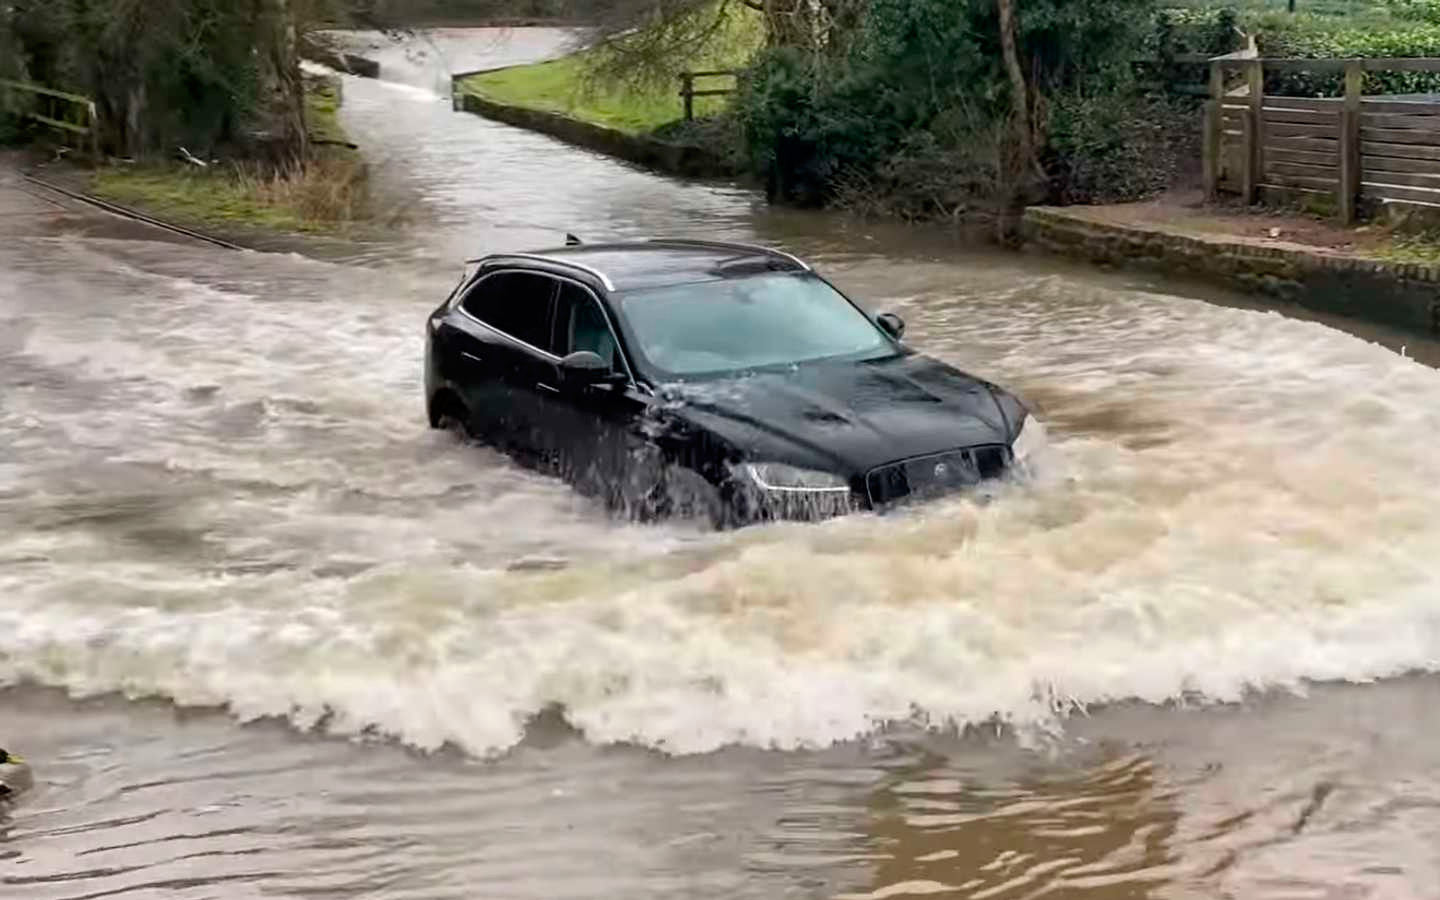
x,y
472,357
547,387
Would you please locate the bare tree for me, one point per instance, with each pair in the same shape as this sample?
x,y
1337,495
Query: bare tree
x,y
1020,93
280,77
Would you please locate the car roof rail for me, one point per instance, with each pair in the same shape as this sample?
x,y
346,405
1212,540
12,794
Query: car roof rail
x,y
560,261
731,245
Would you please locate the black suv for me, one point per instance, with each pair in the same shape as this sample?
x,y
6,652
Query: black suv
x,y
706,378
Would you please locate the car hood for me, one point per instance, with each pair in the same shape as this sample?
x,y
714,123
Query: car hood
x,y
845,417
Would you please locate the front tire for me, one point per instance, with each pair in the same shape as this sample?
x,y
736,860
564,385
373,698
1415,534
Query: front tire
x,y
447,413
684,494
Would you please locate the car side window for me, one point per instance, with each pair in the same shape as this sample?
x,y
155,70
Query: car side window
x,y
580,325
515,303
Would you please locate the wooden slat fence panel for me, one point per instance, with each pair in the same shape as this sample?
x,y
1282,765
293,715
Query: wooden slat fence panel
x,y
1304,144
1403,123
1399,136
1300,116
1317,104
1301,170
1404,107
1300,181
1306,157
1342,147
1431,181
1395,192
1394,164
1329,131
1402,151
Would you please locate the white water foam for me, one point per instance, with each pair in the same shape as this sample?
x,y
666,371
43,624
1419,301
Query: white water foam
x,y
1235,501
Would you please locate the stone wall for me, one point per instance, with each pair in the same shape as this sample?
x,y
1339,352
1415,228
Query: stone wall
x,y
1402,294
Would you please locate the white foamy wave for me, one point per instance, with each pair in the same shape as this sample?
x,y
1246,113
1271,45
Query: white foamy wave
x,y
1231,501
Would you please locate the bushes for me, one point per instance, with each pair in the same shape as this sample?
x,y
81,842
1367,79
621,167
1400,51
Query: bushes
x,y
957,167
201,73
1416,10
1315,37
912,116
1209,31
814,121
804,129
1114,147
12,129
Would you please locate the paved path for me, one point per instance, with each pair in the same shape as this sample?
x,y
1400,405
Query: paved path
x,y
29,210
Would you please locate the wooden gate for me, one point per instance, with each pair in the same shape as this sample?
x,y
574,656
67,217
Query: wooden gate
x,y
1349,149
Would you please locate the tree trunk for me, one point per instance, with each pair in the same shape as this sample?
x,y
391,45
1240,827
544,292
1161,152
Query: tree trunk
x,y
1020,94
785,23
284,87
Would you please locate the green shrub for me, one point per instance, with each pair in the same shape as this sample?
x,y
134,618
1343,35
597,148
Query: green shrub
x,y
804,131
1316,37
1209,31
1417,10
12,129
1114,147
915,108
957,167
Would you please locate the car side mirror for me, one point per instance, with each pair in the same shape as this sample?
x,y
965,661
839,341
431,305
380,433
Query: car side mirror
x,y
584,368
892,324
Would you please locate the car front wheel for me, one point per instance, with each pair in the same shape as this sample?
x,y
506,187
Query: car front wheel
x,y
448,413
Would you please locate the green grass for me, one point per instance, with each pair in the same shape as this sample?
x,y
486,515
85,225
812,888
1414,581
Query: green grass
x,y
562,86
200,197
323,196
322,108
1422,247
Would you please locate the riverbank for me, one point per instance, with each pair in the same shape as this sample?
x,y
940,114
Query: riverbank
x,y
325,195
1366,273
641,122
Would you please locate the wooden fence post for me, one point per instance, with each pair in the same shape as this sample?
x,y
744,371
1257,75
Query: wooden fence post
x,y
687,91
1214,123
1350,162
1255,132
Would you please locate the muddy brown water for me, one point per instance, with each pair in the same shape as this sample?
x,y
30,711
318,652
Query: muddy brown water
x,y
265,635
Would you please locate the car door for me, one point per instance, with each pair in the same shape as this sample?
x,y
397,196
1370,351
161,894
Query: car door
x,y
503,328
593,432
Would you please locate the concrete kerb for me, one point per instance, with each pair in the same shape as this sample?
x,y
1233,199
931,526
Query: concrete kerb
x,y
1392,293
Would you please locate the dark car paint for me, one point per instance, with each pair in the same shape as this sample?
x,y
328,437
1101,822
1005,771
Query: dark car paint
x,y
617,440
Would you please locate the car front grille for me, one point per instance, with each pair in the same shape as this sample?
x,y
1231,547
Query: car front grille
x,y
939,473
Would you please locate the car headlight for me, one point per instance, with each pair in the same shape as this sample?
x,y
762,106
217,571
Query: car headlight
x,y
1030,441
782,477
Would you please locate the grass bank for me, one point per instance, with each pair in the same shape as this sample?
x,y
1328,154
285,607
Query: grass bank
x,y
563,85
324,195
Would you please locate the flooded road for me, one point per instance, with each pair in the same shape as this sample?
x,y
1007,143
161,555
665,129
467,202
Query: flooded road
x,y
266,635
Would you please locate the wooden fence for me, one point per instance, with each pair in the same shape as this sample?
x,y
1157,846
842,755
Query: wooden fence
x,y
688,93
71,114
1352,148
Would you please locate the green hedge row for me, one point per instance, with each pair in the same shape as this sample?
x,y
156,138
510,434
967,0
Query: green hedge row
x,y
1317,37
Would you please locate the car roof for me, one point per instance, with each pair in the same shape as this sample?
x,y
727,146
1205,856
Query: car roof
x,y
660,262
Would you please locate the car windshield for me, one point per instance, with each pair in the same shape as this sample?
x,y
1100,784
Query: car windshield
x,y
746,323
